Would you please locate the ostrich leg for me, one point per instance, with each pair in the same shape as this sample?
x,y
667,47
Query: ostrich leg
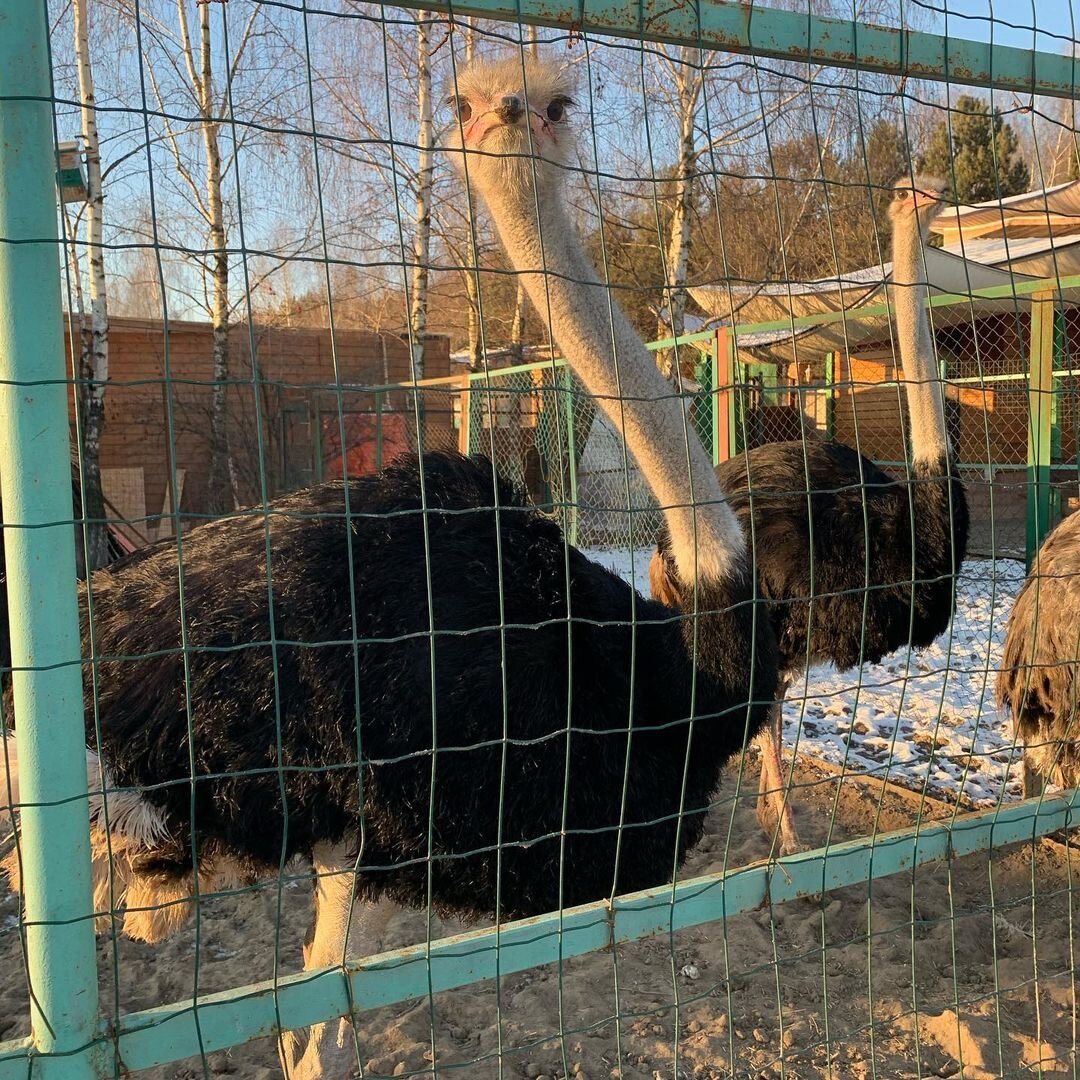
x,y
1031,781
329,1050
773,802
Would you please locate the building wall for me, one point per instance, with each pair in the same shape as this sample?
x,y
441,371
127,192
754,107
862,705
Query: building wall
x,y
159,398
988,419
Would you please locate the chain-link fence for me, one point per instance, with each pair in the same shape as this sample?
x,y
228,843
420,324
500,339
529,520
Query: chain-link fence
x,y
545,431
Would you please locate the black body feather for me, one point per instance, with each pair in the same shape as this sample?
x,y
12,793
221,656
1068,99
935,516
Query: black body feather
x,y
864,565
443,746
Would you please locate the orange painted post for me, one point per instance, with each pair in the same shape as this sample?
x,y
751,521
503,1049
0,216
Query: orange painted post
x,y
466,416
723,442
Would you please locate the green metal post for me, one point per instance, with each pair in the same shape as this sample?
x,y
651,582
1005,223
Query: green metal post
x,y
736,401
1061,358
1040,395
714,397
571,453
34,447
830,401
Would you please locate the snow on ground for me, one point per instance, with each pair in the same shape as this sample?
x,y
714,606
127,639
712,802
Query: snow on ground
x,y
924,719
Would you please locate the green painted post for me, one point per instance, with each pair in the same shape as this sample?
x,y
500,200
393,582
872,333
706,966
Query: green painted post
x,y
571,452
34,447
762,30
1040,394
830,390
1061,361
714,395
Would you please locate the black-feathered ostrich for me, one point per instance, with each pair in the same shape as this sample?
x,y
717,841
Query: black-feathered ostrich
x,y
1038,682
353,723
864,564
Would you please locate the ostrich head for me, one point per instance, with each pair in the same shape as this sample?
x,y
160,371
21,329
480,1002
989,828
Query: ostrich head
x,y
919,197
509,128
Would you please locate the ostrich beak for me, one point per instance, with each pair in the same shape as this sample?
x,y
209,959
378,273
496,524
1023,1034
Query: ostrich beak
x,y
475,131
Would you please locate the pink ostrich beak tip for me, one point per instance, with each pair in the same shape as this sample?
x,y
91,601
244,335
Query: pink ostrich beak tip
x,y
478,128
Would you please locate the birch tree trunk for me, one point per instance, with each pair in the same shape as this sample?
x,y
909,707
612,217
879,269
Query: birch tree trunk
x,y
220,494
1063,162
472,294
517,327
93,367
677,259
424,174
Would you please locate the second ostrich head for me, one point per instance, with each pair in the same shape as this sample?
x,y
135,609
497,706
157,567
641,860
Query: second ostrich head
x,y
917,200
510,127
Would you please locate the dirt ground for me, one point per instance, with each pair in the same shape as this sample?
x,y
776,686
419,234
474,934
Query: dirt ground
x,y
948,971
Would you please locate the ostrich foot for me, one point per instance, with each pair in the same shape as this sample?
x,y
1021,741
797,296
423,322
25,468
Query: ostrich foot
x,y
329,1049
288,1050
1031,781
329,1052
772,809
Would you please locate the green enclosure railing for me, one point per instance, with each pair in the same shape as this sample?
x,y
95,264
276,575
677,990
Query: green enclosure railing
x,y
68,1040
559,431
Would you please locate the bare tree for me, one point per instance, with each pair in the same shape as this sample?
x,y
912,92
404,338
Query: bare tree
x,y
425,171
181,57
93,363
470,268
136,288
688,77
1064,160
202,81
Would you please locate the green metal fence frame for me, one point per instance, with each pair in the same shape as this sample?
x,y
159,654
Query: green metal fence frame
x,y
1046,353
47,676
67,1041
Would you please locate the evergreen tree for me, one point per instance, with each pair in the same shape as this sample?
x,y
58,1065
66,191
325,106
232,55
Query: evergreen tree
x,y
869,172
980,156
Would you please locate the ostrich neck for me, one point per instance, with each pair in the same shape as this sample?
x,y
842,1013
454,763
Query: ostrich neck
x,y
616,368
922,381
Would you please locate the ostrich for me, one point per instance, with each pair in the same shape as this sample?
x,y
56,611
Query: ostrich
x,y
883,552
434,660
907,590
1038,682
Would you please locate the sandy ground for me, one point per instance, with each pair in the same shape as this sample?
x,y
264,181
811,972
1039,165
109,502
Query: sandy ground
x,y
949,971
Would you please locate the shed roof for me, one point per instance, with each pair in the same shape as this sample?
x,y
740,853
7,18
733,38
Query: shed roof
x,y
973,259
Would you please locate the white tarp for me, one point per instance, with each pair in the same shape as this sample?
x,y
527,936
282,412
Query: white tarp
x,y
963,266
1051,211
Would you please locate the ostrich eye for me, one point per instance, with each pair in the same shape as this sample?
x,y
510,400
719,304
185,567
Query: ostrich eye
x,y
462,109
556,110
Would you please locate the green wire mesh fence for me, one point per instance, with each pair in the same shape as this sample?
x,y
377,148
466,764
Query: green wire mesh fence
x,y
271,278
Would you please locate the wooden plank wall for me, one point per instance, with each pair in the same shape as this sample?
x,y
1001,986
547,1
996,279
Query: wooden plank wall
x,y
988,420
300,372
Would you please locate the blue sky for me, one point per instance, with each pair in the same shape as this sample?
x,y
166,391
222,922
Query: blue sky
x,y
1042,24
